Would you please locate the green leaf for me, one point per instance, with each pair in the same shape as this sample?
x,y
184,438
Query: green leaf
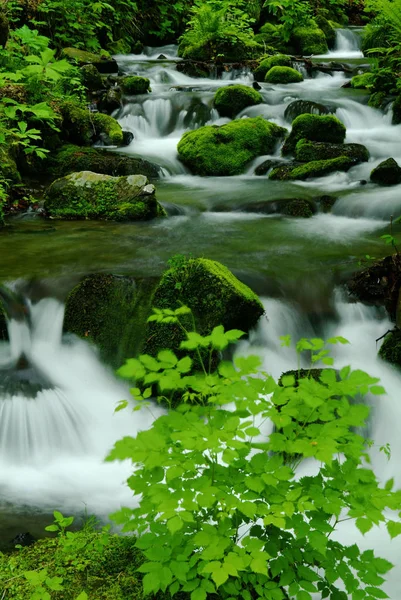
x,y
184,365
259,565
364,525
394,528
151,583
167,356
376,592
199,594
175,524
82,596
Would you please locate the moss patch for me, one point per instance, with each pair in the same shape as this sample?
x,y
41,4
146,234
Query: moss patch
x,y
298,208
390,350
279,60
135,85
111,312
87,195
82,127
283,75
226,150
306,151
362,82
308,40
316,168
318,128
231,100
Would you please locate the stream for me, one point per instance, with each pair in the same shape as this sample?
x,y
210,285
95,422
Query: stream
x,y
52,446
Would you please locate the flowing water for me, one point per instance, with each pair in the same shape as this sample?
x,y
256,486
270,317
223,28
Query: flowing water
x,y
53,440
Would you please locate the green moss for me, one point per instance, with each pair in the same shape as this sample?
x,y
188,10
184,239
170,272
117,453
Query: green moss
x,y
104,572
318,128
328,30
91,78
135,85
378,100
214,295
81,56
231,100
82,127
306,151
298,208
279,60
225,150
121,46
8,166
308,40
387,172
283,75
87,195
362,82
111,312
208,51
390,350
316,168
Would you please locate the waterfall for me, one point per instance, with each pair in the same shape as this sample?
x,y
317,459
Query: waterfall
x,y
347,45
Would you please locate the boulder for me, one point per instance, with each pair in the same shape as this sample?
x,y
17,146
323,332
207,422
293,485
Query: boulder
x,y
81,57
231,100
71,159
317,128
279,60
91,78
79,126
328,30
298,208
306,151
8,166
362,82
212,292
88,195
387,172
225,150
302,107
266,165
110,311
111,100
132,85
294,207
315,168
390,350
283,75
234,50
309,40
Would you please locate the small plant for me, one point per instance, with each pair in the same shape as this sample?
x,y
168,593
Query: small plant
x,y
389,238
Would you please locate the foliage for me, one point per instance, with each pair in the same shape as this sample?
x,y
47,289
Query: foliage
x,y
222,508
291,14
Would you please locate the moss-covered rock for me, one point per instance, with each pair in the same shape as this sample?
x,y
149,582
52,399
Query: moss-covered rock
x,y
316,168
387,172
208,51
81,57
298,208
111,312
379,100
121,46
390,350
317,128
71,159
132,85
82,127
4,28
303,107
283,75
328,30
87,195
363,81
212,292
309,40
225,150
231,100
91,78
278,60
306,151
8,166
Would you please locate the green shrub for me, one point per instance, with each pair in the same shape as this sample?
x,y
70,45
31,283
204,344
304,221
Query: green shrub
x,y
231,100
283,75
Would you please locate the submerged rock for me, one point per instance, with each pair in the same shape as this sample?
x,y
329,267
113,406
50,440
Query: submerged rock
x,y
225,150
232,99
317,128
315,168
70,159
88,195
292,207
283,75
298,208
306,151
387,172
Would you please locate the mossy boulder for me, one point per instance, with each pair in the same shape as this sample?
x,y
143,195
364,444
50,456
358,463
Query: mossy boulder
x,y
231,100
317,128
283,75
71,159
87,195
363,81
303,107
121,46
316,168
4,29
79,126
226,51
8,166
380,100
91,78
328,30
387,172
226,150
309,40
81,57
390,350
306,151
133,84
298,208
278,60
214,295
110,311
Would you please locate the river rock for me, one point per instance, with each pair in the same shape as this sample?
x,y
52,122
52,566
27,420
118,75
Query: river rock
x,y
70,159
306,151
387,172
279,60
266,165
292,207
111,100
133,85
91,78
225,150
231,100
309,40
302,107
81,57
283,75
79,126
315,168
317,128
88,195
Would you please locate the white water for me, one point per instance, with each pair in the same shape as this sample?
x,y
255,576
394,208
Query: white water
x,y
348,44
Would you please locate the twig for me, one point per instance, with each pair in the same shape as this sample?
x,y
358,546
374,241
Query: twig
x,y
388,331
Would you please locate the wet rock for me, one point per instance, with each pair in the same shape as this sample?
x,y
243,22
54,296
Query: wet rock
x,y
283,75
128,137
316,128
266,165
256,86
81,57
387,172
111,100
23,539
298,208
194,68
91,78
81,127
306,151
315,168
309,40
88,195
390,350
161,57
231,100
301,107
133,85
326,203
